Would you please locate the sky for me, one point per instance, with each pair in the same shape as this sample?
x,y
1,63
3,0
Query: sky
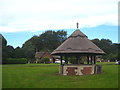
x,y
21,19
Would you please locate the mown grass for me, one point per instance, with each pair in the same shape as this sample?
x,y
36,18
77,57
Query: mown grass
x,y
46,76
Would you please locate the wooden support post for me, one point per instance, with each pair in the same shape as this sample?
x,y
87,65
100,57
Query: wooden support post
x,y
79,60
66,60
61,59
82,59
76,60
71,59
87,59
91,59
94,59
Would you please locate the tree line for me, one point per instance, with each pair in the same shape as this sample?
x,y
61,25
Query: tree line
x,y
50,40
111,49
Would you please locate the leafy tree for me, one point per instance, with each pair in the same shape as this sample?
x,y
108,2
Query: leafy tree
x,y
7,51
29,49
19,53
4,41
4,46
51,39
45,60
35,42
109,48
10,50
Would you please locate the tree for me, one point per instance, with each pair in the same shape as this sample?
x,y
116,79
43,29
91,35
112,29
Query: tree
x,y
51,39
109,48
45,60
35,41
18,53
4,41
4,46
10,51
29,49
7,50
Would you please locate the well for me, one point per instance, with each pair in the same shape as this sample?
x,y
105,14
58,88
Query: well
x,y
78,46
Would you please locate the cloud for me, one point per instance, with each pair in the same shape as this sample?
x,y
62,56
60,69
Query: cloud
x,y
36,15
93,21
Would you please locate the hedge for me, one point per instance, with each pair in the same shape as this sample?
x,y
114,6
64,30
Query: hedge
x,y
45,60
15,61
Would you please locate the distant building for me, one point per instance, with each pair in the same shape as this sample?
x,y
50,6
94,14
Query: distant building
x,y
40,55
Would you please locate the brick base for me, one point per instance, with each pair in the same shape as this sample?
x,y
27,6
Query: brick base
x,y
79,69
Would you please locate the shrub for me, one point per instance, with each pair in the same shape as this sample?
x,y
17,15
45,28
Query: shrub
x,y
15,61
45,60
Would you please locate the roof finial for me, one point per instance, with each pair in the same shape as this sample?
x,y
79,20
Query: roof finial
x,y
77,25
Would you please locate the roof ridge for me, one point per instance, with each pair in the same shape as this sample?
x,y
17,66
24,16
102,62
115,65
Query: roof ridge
x,y
77,33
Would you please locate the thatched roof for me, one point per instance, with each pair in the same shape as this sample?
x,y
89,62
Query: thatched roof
x,y
44,54
77,42
39,54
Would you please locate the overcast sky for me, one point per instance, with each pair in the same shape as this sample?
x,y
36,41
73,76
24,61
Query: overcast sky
x,y
38,15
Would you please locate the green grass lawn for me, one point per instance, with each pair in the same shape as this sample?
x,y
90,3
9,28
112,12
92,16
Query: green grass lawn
x,y
46,76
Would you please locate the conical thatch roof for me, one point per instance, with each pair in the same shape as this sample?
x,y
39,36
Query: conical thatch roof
x,y
77,42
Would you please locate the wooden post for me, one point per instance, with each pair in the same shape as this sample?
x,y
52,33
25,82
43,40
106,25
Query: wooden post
x,y
61,59
87,59
94,60
82,59
66,60
76,60
79,60
91,59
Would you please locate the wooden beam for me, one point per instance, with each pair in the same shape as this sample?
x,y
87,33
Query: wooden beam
x,y
94,59
76,60
87,59
66,59
61,59
91,59
79,60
